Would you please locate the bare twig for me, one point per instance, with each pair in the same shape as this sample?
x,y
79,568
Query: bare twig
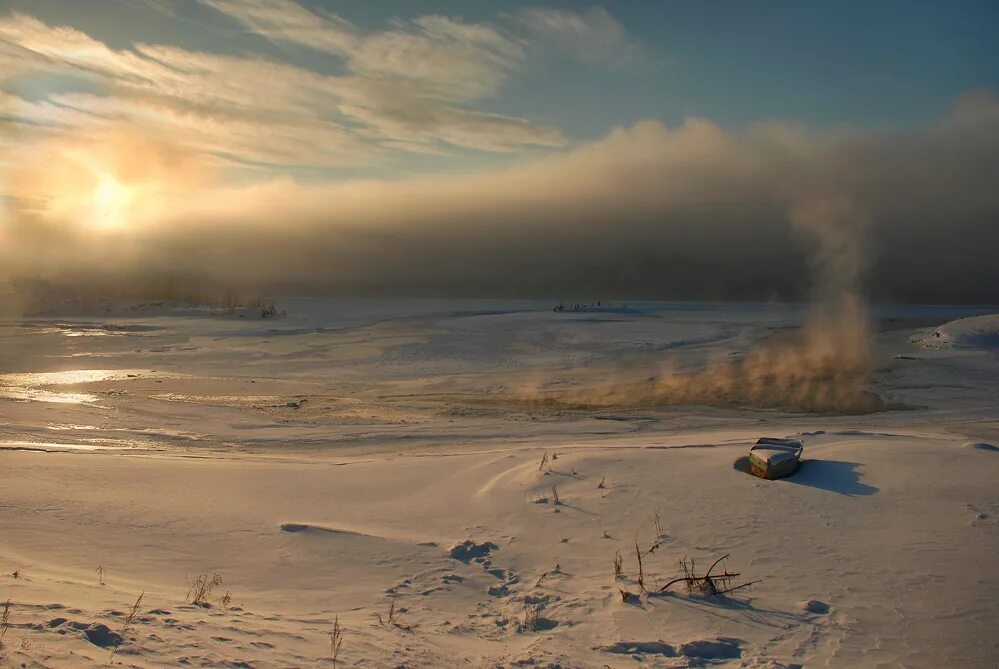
x,y
715,564
744,585
711,583
652,548
693,581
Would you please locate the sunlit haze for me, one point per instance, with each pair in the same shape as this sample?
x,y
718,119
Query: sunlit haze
x,y
504,149
560,334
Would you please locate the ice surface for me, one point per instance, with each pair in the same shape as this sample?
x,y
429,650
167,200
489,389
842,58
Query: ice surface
x,y
362,457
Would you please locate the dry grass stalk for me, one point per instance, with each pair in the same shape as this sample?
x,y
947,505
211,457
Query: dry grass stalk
x,y
336,640
544,461
602,480
4,621
100,574
641,568
618,563
202,587
555,499
532,615
124,628
541,579
392,617
660,533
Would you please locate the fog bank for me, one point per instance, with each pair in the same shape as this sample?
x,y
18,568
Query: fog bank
x,y
693,211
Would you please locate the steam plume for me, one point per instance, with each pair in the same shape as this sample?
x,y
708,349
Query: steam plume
x,y
825,368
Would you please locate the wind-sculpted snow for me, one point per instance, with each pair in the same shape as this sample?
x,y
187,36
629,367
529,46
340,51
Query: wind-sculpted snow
x,y
977,332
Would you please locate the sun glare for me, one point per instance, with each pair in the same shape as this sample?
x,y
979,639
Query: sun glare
x,y
109,203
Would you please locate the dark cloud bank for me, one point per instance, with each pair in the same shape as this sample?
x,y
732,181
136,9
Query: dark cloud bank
x,y
688,212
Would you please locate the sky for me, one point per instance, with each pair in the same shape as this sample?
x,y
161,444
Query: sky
x,y
498,147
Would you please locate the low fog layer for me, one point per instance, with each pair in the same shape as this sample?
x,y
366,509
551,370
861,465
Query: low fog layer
x,y
693,211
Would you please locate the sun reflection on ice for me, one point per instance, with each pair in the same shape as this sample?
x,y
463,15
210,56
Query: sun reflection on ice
x,y
33,386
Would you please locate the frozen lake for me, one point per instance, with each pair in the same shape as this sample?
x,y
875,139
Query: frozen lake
x,y
342,373
454,481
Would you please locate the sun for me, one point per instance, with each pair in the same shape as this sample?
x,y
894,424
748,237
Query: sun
x,y
109,203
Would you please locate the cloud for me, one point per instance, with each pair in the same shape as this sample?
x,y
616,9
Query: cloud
x,y
690,211
693,210
451,59
289,22
593,36
406,83
308,119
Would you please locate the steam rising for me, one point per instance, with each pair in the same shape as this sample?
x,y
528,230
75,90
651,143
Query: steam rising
x,y
824,369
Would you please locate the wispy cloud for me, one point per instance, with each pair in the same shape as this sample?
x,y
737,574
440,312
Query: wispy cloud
x,y
405,89
592,36
449,58
287,21
407,84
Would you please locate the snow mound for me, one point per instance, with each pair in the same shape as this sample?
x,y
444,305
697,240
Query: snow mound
x,y
101,635
981,445
815,606
974,332
310,528
722,648
469,550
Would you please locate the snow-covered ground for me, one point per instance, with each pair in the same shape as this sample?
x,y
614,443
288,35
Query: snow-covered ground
x,y
357,457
